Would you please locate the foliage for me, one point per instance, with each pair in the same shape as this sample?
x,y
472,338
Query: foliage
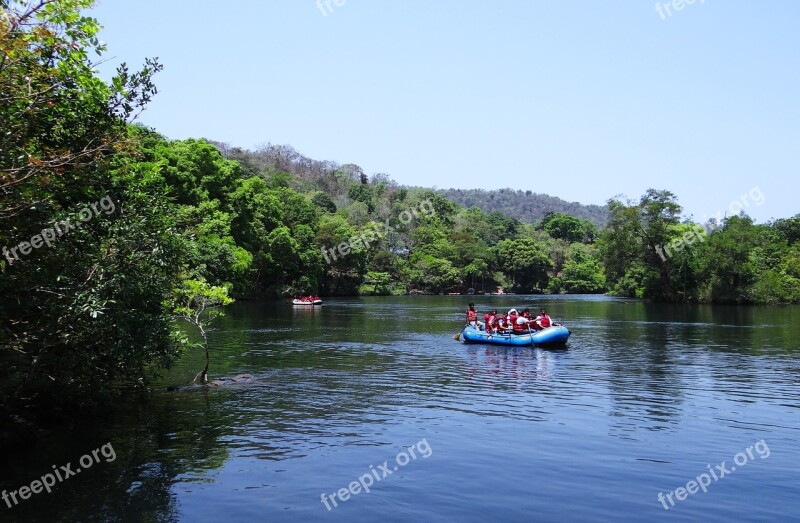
x,y
324,202
633,238
379,281
565,227
59,120
648,253
85,311
582,274
525,262
525,206
200,304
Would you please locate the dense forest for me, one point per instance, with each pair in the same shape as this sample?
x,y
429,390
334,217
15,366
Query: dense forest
x,y
425,243
110,231
526,206
649,251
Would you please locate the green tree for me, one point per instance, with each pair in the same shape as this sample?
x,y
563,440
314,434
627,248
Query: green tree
x,y
343,272
324,202
583,274
379,281
632,246
789,228
432,274
257,212
502,226
195,171
564,227
72,331
473,271
59,120
200,304
361,192
727,266
525,263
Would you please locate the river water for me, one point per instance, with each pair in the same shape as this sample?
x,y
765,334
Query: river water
x,y
374,393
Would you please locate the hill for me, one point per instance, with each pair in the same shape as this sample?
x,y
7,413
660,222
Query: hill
x,y
525,206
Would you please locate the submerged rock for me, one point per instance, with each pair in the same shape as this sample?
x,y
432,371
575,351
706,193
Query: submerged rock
x,y
239,379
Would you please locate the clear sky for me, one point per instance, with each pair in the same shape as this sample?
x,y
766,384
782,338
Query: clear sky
x,y
583,100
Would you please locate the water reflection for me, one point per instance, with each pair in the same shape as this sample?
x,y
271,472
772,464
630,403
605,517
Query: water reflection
x,y
339,385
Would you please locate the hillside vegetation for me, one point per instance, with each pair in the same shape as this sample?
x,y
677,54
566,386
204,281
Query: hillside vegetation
x,y
419,241
526,206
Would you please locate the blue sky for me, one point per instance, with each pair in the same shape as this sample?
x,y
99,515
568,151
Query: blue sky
x,y
583,100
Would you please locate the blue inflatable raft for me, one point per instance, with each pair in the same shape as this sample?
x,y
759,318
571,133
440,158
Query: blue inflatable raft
x,y
551,336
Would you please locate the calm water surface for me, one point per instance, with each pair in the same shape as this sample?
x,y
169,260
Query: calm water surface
x,y
644,399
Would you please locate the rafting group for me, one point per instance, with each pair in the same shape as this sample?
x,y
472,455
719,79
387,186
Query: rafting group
x,y
513,322
311,299
514,328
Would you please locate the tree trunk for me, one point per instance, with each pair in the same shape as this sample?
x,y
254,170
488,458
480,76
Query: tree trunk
x,y
205,369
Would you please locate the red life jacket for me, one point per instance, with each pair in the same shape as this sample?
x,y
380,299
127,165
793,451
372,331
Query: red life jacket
x,y
544,321
472,315
491,321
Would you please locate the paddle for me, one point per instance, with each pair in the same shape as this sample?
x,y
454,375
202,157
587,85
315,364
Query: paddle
x,y
457,337
529,332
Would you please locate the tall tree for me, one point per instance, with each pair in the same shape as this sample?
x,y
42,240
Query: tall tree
x,y
633,244
84,310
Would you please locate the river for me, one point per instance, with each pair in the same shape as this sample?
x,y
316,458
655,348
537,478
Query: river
x,y
374,393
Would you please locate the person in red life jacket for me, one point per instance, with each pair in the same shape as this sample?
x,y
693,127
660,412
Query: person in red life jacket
x,y
512,319
518,323
512,316
502,324
486,321
472,315
543,320
491,322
